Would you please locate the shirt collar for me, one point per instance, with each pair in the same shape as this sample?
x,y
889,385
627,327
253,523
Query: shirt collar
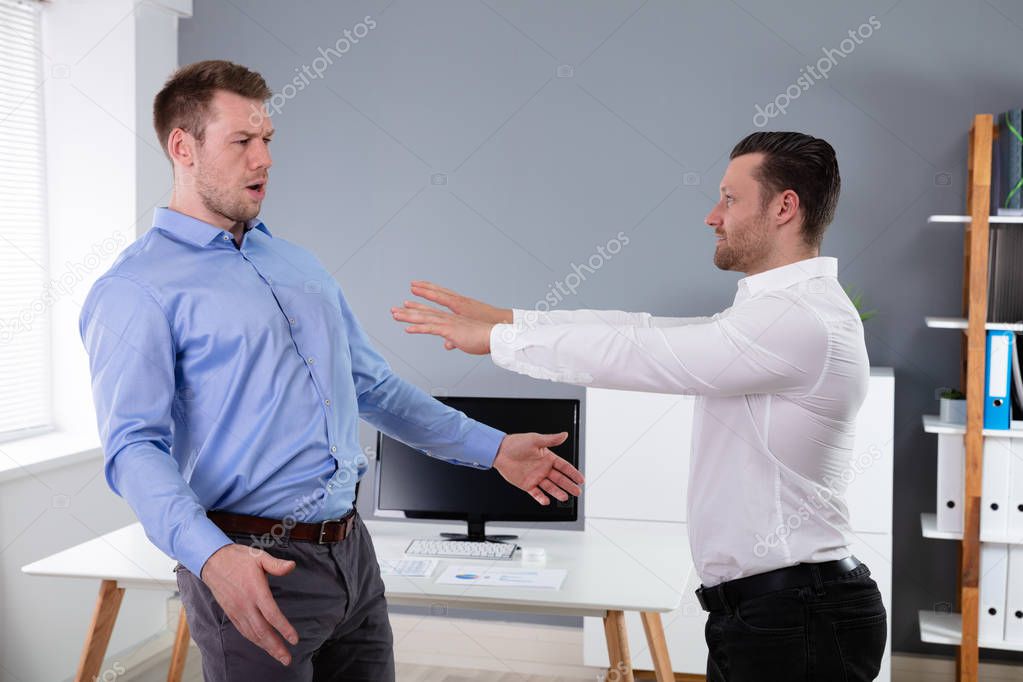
x,y
195,230
787,275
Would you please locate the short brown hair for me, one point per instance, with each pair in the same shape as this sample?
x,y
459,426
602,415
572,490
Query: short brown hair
x,y
804,164
185,98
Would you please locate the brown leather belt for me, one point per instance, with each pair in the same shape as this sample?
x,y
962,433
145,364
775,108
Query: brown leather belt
x,y
324,532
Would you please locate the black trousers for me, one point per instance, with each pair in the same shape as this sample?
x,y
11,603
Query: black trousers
x,y
335,600
834,631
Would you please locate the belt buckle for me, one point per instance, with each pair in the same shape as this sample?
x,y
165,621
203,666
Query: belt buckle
x,y
323,531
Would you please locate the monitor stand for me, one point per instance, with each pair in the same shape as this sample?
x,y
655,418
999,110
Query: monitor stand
x,y
476,534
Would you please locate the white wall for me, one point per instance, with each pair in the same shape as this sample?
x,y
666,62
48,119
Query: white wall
x,y
156,57
43,620
103,62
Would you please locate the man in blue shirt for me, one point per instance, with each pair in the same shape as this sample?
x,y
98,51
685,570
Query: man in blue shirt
x,y
228,375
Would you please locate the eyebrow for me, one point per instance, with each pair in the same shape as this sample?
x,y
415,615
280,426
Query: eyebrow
x,y
249,133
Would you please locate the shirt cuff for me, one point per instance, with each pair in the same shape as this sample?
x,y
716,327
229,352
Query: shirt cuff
x,y
201,542
502,350
481,446
528,319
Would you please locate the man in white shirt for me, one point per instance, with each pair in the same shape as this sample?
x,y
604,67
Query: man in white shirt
x,y
779,378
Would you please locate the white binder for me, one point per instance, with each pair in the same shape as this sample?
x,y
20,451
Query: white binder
x,y
951,461
1014,596
994,495
994,572
1015,506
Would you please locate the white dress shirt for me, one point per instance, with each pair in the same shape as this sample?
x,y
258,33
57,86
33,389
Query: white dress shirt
x,y
779,378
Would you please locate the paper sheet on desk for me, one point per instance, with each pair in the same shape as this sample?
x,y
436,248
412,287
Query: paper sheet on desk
x,y
500,576
422,568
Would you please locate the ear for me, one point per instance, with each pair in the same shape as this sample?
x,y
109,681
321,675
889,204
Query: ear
x,y
786,207
181,147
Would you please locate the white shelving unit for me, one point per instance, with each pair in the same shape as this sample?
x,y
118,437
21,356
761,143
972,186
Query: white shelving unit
x,y
929,527
937,627
961,629
994,219
960,323
932,424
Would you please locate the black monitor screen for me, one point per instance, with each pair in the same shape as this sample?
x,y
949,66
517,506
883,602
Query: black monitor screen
x,y
409,481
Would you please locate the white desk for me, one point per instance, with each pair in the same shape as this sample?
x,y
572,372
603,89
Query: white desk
x,y
642,570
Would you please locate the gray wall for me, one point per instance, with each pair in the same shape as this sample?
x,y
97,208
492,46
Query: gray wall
x,y
448,144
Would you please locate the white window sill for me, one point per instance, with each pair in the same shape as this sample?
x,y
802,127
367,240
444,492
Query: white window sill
x,y
36,454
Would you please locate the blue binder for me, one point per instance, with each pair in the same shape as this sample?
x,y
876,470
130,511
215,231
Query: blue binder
x,y
998,379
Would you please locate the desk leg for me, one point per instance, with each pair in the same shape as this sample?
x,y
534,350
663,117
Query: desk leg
x,y
103,617
658,647
180,653
618,648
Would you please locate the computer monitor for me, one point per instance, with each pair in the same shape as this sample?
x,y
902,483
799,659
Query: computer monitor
x,y
410,484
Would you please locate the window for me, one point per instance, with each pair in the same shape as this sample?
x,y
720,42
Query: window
x,y
25,296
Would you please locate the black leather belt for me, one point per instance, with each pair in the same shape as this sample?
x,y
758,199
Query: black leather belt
x,y
725,596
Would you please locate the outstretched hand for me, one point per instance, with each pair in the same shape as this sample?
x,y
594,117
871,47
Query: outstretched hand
x,y
458,331
526,461
523,459
461,305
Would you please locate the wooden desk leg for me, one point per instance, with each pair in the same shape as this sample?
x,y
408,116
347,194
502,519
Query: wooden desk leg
x,y
103,618
618,648
180,652
658,646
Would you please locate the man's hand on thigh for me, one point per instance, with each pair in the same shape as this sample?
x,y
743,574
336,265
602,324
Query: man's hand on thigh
x,y
236,575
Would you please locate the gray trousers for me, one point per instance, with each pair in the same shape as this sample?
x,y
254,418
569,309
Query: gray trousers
x,y
334,599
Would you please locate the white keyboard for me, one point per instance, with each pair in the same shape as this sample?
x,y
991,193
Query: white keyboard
x,y
461,549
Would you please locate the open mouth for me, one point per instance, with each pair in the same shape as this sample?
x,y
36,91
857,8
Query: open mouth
x,y
257,190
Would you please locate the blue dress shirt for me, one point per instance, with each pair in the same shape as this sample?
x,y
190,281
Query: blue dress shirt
x,y
231,378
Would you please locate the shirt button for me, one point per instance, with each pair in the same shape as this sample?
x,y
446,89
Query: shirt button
x,y
269,280
327,401
333,448
311,360
227,238
291,320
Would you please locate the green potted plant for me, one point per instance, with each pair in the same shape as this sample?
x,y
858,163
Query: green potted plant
x,y
953,406
857,301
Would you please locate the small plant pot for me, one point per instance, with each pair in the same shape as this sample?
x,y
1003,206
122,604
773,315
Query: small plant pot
x,y
953,410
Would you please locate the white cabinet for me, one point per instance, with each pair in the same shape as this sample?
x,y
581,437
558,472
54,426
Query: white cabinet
x,y
870,492
637,463
629,435
875,550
